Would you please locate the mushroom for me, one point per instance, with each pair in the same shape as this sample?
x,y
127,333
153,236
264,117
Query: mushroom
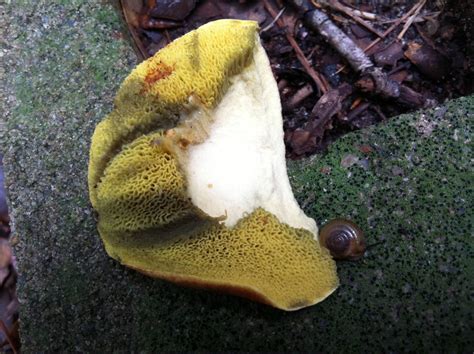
x,y
188,174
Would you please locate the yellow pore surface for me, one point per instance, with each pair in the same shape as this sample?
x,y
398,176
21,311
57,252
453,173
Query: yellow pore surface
x,y
145,216
260,258
142,188
199,65
143,192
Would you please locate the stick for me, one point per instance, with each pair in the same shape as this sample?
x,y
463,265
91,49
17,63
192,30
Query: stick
x,y
374,79
386,33
274,20
318,79
358,110
363,14
356,57
377,82
338,6
298,97
412,18
305,140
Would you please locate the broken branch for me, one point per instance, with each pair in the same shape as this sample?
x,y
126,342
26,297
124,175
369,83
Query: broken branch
x,y
377,82
387,32
318,20
374,79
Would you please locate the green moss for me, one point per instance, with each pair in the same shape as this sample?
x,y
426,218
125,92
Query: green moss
x,y
58,60
414,198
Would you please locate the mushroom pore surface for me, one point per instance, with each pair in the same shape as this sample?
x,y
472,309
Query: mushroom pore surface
x,y
188,175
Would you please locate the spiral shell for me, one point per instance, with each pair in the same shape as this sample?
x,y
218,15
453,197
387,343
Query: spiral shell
x,y
344,239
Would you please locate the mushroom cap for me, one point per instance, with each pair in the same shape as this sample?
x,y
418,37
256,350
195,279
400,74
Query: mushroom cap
x,y
188,174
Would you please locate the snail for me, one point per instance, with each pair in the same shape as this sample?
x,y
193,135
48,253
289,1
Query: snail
x,y
344,239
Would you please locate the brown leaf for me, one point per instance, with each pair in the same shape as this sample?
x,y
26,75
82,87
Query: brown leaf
x,y
171,9
429,61
389,55
366,149
307,139
299,141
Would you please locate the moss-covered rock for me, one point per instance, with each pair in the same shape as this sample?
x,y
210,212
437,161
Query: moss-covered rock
x,y
407,183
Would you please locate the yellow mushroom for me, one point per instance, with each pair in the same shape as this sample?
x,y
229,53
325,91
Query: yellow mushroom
x,y
188,174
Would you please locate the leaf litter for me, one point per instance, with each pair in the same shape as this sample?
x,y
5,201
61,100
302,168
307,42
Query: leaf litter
x,y
340,65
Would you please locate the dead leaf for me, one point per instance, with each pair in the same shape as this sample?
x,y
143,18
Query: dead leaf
x,y
171,9
389,55
429,61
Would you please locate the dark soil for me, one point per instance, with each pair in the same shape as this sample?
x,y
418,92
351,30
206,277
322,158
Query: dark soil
x,y
430,62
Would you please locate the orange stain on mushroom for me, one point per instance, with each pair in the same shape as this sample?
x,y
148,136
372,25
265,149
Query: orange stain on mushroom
x,y
159,72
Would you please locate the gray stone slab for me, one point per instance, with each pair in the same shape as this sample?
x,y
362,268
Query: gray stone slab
x,y
411,190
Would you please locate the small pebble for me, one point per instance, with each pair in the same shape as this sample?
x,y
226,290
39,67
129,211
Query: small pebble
x,y
349,160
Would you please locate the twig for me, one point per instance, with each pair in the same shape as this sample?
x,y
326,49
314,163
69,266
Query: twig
x,y
167,35
367,15
305,140
374,80
386,33
356,57
407,25
266,28
318,79
402,66
357,111
298,97
379,112
377,82
392,28
349,12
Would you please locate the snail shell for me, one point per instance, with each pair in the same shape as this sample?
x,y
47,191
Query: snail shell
x,y
343,239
